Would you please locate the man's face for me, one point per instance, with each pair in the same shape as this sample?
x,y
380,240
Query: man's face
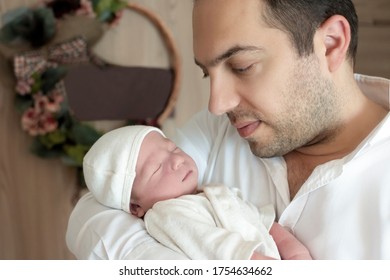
x,y
276,100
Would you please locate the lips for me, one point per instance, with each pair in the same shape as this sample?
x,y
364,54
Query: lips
x,y
187,175
247,128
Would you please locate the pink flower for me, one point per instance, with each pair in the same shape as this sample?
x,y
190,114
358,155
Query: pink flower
x,y
86,9
40,119
49,103
54,105
38,123
23,87
118,16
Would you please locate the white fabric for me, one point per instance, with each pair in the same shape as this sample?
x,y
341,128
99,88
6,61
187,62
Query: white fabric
x,y
97,232
341,212
215,224
109,166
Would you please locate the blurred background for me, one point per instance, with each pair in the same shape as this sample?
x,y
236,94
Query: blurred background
x,y
36,194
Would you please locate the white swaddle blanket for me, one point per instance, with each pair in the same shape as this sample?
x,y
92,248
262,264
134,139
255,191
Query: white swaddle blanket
x,y
215,224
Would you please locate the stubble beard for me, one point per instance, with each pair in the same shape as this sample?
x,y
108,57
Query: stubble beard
x,y
310,115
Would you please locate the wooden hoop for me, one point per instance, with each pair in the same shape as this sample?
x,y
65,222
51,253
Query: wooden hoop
x,y
174,58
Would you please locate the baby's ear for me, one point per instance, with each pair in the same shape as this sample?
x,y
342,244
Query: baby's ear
x,y
136,210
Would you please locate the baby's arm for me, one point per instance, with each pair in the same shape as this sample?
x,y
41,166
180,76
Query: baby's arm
x,y
99,232
290,248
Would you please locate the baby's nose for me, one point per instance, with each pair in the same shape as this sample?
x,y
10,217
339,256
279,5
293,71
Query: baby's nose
x,y
177,161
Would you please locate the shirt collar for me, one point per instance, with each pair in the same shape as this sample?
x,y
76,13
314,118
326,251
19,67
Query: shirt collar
x,y
375,88
378,90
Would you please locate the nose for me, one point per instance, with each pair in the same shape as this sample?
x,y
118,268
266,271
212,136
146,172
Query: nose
x,y
176,161
223,97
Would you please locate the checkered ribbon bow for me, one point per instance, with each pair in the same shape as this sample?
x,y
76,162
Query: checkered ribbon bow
x,y
73,51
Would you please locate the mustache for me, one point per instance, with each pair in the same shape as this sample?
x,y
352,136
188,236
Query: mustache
x,y
240,114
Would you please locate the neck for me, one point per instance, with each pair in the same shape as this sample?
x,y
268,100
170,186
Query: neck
x,y
361,116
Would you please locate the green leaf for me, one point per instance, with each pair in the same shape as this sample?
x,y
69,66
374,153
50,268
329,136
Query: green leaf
x,y
83,134
102,5
65,119
7,32
105,16
52,139
75,154
47,23
39,149
106,9
37,85
95,3
23,102
56,137
51,77
14,14
118,5
36,26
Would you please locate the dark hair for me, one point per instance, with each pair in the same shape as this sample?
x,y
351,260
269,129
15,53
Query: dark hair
x,y
301,18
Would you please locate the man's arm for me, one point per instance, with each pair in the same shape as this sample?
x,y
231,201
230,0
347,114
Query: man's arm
x,y
97,232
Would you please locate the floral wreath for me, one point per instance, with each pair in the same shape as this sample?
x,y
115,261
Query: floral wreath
x,y
40,92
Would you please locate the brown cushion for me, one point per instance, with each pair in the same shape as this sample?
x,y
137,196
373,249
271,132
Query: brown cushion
x,y
117,93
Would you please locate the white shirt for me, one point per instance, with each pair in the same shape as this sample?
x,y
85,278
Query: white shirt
x,y
341,212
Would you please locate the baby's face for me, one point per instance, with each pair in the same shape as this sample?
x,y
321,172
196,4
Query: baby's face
x,y
163,171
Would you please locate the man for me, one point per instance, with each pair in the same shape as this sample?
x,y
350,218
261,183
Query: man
x,y
281,80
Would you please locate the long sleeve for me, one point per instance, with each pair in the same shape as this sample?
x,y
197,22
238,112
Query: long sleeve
x,y
97,232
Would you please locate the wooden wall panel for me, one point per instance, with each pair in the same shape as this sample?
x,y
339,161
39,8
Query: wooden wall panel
x,y
373,11
34,193
373,57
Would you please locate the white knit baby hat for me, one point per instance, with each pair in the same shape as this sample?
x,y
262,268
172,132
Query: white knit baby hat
x,y
109,166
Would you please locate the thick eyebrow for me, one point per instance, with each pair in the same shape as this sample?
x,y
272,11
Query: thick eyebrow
x,y
226,55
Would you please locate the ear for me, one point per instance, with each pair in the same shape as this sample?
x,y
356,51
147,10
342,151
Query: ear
x,y
336,37
136,210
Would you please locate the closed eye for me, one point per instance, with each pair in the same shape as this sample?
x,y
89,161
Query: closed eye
x,y
171,146
176,150
243,70
157,169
